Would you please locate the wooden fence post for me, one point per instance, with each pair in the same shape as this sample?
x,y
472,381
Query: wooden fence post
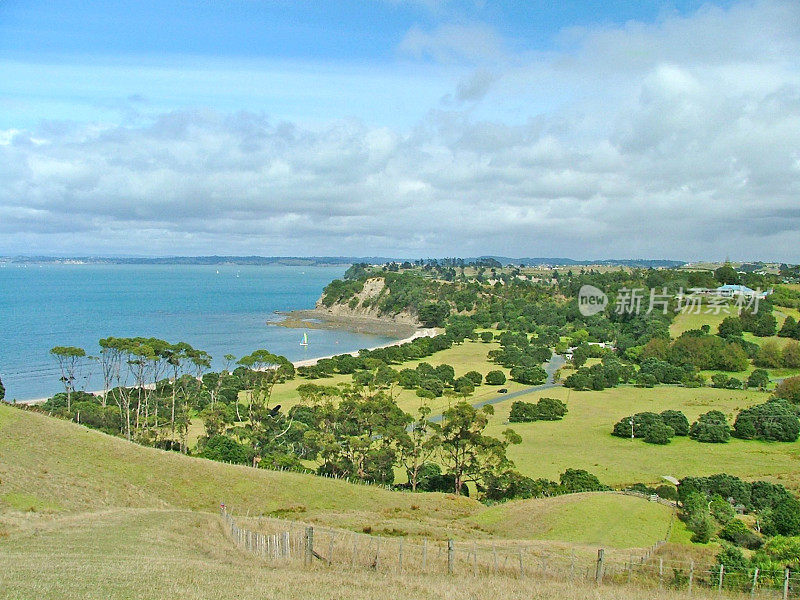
x,y
521,565
630,568
691,577
400,556
355,550
660,573
450,556
786,585
721,577
424,554
755,581
474,558
600,568
309,539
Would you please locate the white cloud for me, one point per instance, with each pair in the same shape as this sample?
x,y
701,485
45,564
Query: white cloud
x,y
678,139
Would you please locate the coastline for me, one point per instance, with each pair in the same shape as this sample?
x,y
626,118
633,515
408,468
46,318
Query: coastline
x,y
308,362
322,319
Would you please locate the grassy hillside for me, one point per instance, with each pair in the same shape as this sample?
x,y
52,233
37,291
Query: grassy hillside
x,y
52,466
592,519
183,555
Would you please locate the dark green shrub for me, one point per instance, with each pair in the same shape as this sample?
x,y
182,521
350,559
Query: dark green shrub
x,y
579,480
659,433
775,420
677,420
711,427
736,532
495,378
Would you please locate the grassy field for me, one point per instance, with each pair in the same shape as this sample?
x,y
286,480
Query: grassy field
x,y
583,518
183,555
583,440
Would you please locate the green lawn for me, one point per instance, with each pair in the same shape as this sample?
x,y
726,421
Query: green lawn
x,y
583,439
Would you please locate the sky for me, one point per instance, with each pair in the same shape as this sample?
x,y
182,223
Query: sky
x,y
589,130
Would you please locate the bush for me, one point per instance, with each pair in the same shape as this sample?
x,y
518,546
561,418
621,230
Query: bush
x,y
642,422
711,427
736,532
475,377
677,420
579,480
225,449
659,433
775,420
785,517
721,509
546,409
529,375
668,492
789,389
495,378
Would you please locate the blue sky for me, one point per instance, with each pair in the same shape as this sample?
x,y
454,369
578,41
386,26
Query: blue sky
x,y
583,129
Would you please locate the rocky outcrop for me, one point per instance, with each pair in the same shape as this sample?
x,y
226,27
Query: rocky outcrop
x,y
365,305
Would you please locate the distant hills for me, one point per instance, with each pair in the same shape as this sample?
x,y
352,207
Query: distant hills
x,y
321,260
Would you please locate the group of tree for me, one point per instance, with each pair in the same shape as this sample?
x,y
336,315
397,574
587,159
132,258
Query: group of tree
x,y
610,372
514,485
710,507
772,356
545,409
652,427
523,358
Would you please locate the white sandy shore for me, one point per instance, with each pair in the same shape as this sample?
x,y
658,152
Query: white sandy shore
x,y
307,362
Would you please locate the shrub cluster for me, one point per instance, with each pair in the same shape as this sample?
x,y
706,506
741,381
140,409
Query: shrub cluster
x,y
652,427
546,409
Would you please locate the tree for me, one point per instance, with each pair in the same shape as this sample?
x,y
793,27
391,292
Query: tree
x,y
769,355
529,375
677,420
789,389
758,379
495,378
70,359
730,327
775,420
790,356
487,336
580,480
727,275
434,314
468,453
417,445
789,329
711,427
2,391
659,433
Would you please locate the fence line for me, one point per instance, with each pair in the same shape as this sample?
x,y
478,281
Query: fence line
x,y
285,541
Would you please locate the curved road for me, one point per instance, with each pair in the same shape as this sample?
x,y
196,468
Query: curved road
x,y
554,364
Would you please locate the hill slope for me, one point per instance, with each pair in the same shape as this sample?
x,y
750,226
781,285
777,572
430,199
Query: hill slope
x,y
53,466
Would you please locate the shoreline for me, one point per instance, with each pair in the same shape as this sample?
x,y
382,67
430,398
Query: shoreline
x,y
316,318
306,362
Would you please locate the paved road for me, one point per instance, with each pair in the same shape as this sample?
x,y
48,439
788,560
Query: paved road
x,y
553,365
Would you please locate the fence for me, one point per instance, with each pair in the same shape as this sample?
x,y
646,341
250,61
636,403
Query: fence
x,y
279,540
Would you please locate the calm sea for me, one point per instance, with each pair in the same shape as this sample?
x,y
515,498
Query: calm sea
x,y
219,309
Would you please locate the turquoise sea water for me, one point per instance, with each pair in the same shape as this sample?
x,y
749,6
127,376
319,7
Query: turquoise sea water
x,y
219,309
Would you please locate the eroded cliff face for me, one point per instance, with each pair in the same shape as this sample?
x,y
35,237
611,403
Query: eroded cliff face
x,y
365,305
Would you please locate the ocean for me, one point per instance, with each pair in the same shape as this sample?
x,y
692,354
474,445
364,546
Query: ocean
x,y
219,309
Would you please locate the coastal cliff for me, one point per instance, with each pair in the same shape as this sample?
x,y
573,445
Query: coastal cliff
x,y
366,304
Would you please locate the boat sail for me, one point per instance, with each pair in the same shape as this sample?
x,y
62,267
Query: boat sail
x,y
304,342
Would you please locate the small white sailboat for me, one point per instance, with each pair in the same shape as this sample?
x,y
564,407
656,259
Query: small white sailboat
x,y
304,341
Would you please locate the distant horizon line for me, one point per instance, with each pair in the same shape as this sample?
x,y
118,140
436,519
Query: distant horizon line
x,y
345,259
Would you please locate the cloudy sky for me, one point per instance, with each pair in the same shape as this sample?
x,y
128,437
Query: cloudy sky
x,y
596,129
